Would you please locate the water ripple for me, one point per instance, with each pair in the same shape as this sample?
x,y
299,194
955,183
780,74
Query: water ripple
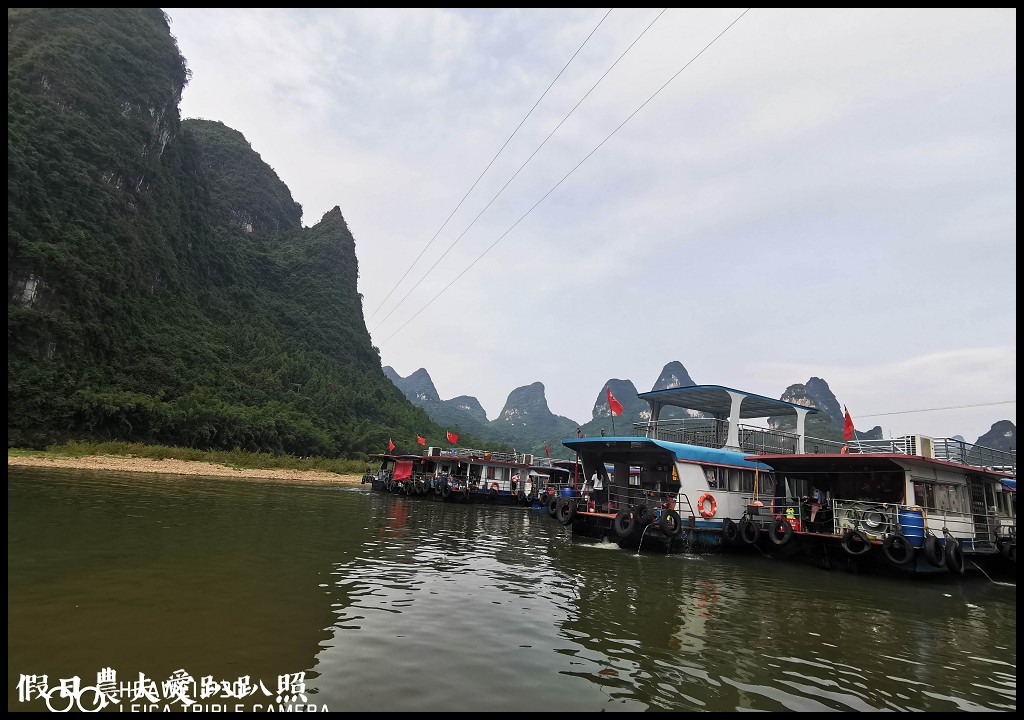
x,y
395,604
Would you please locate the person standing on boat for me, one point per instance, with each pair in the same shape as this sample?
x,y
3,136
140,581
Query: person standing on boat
x,y
592,485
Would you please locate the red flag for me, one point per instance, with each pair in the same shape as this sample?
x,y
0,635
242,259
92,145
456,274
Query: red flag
x,y
614,405
421,440
546,451
452,437
847,425
391,446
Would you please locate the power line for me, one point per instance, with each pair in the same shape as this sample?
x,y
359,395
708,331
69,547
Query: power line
x,y
564,177
500,150
516,173
951,407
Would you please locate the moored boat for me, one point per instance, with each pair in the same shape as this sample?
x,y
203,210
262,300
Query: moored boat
x,y
712,482
454,475
552,480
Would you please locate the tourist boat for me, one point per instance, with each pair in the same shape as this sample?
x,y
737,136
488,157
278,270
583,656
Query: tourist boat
x,y
395,473
713,481
550,480
453,475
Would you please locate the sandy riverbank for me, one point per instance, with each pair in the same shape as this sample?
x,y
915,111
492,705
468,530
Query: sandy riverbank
x,y
183,467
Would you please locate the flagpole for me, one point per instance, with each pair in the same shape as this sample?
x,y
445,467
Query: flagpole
x,y
611,412
576,471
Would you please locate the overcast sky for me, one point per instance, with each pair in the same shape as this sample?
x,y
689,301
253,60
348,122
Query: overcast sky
x,y
825,193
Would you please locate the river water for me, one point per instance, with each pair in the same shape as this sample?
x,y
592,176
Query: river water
x,y
364,601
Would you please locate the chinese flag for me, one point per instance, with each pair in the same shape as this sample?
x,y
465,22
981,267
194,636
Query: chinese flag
x,y
391,446
847,425
546,451
421,440
452,437
614,405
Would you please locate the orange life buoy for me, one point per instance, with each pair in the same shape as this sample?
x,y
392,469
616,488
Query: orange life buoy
x,y
495,487
701,502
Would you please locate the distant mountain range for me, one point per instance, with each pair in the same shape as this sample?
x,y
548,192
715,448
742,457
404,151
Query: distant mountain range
x,y
528,425
162,287
1002,436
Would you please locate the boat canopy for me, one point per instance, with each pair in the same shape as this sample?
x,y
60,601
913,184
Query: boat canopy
x,y
634,450
549,470
816,464
717,400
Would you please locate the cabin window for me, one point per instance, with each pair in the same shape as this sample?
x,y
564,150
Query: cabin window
x,y
746,481
718,477
923,495
947,499
490,472
765,484
939,497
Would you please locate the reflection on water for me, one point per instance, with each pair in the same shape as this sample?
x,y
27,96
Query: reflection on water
x,y
390,603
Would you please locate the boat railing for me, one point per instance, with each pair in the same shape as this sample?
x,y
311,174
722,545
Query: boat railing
x,y
822,446
551,462
975,455
946,449
631,497
713,433
878,520
485,455
544,487
759,441
704,432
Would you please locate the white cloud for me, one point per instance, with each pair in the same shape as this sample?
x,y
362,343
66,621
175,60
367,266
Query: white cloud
x,y
824,193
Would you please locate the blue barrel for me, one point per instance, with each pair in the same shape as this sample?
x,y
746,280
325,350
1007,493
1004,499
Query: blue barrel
x,y
912,524
568,492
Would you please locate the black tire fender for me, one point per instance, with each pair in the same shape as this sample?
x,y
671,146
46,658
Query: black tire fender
x,y
566,511
855,542
1009,550
955,557
897,549
748,531
782,532
625,523
670,523
553,506
730,531
933,552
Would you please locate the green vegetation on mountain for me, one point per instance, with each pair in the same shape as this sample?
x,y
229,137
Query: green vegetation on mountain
x,y
161,287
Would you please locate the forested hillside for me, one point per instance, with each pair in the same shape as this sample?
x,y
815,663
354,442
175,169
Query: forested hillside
x,y
160,285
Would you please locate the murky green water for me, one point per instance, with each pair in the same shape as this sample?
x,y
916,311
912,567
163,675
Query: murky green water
x,y
410,605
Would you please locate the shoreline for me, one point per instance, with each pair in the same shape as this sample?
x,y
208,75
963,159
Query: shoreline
x,y
171,466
